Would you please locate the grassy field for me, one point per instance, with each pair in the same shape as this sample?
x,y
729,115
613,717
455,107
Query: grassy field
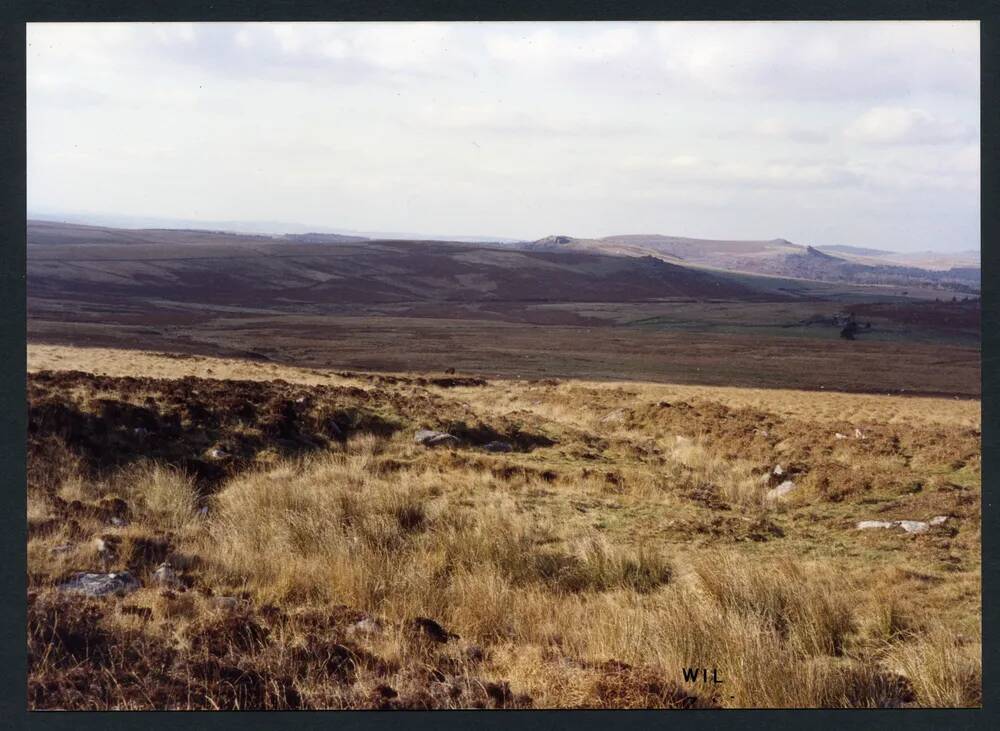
x,y
321,558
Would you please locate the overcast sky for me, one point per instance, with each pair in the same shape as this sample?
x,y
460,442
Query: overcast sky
x,y
821,133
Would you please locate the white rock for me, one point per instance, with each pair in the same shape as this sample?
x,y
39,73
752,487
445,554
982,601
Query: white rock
x,y
866,524
858,434
781,490
838,435
217,453
910,526
682,440
938,519
778,471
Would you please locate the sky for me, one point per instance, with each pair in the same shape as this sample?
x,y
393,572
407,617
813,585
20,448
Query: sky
x,y
858,133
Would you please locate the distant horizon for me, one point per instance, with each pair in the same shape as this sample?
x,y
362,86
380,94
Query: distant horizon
x,y
279,228
833,133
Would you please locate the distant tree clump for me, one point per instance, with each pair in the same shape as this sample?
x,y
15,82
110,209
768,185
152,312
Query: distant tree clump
x,y
850,329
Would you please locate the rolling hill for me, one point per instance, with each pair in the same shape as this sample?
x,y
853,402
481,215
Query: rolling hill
x,y
218,268
781,258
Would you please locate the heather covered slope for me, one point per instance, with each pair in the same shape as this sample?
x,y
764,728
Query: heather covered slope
x,y
318,557
234,269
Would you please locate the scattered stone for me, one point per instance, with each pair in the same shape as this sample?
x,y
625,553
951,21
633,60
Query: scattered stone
x,y
217,453
431,438
118,522
498,446
777,471
781,490
858,434
838,435
910,526
95,584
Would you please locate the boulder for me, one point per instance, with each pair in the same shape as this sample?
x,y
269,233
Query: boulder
x,y
498,446
910,526
431,438
868,524
96,584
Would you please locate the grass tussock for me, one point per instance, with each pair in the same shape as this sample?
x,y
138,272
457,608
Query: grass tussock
x,y
589,570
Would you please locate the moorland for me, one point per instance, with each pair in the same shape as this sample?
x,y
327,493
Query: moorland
x,y
384,474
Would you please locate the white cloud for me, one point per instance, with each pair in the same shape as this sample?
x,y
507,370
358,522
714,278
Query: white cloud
x,y
890,125
784,129
542,47
520,129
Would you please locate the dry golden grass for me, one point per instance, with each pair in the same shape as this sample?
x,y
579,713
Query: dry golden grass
x,y
586,573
